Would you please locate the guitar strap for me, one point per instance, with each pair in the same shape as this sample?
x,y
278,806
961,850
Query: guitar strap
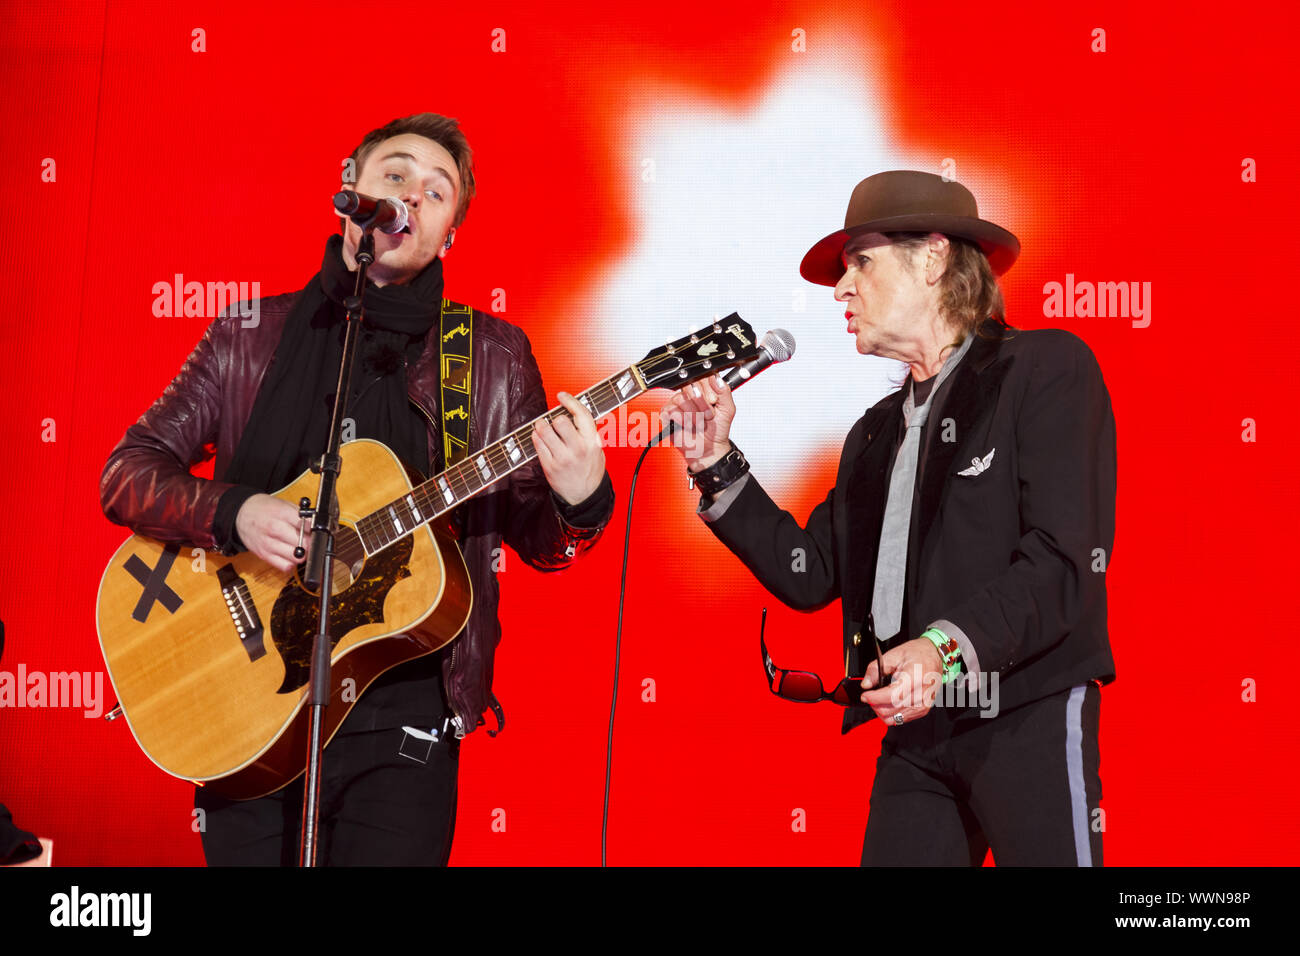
x,y
457,367
455,350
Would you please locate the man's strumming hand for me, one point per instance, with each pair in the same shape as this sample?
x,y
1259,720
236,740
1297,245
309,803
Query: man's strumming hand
x,y
268,526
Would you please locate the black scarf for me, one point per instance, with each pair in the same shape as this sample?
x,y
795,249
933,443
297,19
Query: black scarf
x,y
289,422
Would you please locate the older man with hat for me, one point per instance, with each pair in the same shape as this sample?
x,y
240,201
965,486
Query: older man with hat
x,y
966,536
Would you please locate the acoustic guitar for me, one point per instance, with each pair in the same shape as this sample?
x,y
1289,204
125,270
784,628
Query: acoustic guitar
x,y
210,655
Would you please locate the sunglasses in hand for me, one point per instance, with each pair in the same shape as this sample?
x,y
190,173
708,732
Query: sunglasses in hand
x,y
805,687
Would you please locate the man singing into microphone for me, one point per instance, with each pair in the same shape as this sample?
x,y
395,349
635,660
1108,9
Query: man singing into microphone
x,y
969,528
259,398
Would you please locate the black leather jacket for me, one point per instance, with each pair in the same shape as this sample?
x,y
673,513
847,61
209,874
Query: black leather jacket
x,y
147,482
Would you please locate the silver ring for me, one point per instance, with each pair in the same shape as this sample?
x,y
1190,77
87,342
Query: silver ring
x,y
898,720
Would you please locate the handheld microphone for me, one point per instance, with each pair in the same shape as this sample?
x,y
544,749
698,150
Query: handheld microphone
x,y
775,346
387,215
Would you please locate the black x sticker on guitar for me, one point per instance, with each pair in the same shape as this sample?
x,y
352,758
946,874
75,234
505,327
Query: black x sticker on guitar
x,y
154,581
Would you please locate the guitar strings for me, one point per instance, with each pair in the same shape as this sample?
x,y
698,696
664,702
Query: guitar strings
x,y
429,503
376,531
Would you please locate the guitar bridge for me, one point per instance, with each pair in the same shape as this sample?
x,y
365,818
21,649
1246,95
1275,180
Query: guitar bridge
x,y
243,612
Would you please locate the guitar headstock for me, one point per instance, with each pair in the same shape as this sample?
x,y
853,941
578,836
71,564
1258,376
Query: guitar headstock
x,y
713,348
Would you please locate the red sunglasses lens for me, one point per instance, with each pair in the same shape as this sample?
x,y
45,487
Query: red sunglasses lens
x,y
800,685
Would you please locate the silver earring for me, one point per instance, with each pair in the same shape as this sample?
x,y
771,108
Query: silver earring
x,y
447,244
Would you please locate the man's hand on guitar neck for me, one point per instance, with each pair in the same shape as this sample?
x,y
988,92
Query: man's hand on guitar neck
x,y
570,453
268,527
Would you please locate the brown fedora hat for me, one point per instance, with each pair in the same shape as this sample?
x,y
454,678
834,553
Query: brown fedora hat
x,y
904,200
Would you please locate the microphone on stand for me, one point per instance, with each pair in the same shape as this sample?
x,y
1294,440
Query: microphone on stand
x,y
387,215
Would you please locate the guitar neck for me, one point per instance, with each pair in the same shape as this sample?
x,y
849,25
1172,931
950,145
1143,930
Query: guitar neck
x,y
485,467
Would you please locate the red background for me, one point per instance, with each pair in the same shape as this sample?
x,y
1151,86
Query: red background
x,y
1126,165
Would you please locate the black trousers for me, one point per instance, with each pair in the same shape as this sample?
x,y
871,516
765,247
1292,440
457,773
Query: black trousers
x,y
1025,783
380,806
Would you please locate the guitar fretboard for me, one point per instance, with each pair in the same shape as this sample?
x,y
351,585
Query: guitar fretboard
x,y
482,468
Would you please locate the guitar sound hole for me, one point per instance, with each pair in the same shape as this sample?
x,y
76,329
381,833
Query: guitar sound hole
x,y
349,562
342,578
294,617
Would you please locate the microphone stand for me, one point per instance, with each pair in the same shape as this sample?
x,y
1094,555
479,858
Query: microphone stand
x,y
319,570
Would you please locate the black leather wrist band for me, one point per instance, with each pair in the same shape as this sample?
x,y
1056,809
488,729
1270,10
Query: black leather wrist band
x,y
727,470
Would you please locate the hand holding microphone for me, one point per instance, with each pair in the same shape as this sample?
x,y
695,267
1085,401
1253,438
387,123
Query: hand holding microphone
x,y
701,413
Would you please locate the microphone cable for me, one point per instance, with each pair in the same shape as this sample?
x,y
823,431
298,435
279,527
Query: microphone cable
x,y
618,635
778,344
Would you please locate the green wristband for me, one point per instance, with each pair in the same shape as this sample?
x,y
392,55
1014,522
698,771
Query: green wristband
x,y
949,652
